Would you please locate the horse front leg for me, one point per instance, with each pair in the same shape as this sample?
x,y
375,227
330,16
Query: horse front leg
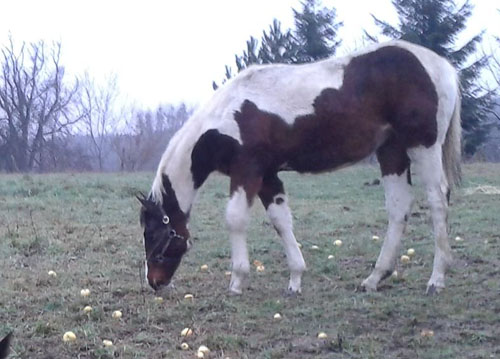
x,y
273,198
237,219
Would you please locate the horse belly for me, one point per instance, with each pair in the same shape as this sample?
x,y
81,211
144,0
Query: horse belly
x,y
329,148
324,160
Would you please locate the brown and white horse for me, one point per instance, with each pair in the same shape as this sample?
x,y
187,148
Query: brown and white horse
x,y
396,99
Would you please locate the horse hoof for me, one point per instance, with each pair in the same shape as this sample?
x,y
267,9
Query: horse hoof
x,y
367,287
433,290
290,293
235,292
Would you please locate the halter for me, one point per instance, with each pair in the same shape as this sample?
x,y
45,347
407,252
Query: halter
x,y
172,234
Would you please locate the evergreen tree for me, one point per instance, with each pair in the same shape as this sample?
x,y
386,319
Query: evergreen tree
x,y
277,47
313,38
436,25
315,31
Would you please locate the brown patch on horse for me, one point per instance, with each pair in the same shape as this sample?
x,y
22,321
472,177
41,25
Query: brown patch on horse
x,y
178,219
392,157
271,187
212,152
387,101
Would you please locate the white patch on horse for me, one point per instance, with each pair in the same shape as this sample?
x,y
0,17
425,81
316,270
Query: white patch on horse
x,y
237,219
281,218
176,164
398,200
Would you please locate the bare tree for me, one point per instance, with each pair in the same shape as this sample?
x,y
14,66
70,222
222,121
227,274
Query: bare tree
x,y
35,103
494,63
97,107
147,134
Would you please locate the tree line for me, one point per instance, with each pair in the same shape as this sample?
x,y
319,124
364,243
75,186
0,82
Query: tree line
x,y
50,122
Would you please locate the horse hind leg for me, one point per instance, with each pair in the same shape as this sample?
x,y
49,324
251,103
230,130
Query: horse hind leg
x,y
395,168
275,201
430,168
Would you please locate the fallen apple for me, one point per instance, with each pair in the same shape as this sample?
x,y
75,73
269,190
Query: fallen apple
x,y
405,259
117,314
87,309
69,337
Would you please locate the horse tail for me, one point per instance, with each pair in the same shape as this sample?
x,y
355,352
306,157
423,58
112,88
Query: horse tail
x,y
452,147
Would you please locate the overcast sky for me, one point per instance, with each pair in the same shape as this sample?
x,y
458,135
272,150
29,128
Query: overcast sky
x,y
170,51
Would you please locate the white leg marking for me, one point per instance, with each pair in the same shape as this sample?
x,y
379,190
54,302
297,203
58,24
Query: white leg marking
x,y
398,200
430,168
281,218
237,218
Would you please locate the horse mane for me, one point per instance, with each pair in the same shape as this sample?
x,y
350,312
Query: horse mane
x,y
178,149
157,188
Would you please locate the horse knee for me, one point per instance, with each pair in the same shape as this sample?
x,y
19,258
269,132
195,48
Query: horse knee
x,y
280,215
237,212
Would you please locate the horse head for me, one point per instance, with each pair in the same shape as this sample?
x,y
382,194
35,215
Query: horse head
x,y
166,238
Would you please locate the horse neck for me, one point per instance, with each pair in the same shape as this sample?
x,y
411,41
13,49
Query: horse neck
x,y
176,164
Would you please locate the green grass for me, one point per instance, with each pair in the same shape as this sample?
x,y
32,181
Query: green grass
x,y
85,227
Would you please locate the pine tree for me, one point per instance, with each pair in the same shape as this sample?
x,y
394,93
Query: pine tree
x,y
436,25
313,38
315,31
277,46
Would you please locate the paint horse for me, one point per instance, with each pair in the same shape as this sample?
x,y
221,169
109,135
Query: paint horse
x,y
396,99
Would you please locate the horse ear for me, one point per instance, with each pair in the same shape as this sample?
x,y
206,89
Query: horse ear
x,y
142,198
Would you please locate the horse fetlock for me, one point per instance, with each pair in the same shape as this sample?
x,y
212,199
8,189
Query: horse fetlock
x,y
378,274
436,282
370,284
237,282
294,285
239,276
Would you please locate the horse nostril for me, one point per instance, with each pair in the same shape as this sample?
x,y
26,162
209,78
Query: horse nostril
x,y
153,284
172,232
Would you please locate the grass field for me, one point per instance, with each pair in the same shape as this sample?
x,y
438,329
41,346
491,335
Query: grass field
x,y
85,227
